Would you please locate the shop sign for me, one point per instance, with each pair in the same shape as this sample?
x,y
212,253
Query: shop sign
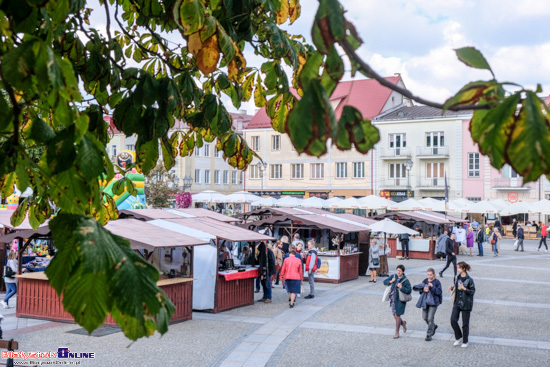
x,y
322,195
278,193
395,193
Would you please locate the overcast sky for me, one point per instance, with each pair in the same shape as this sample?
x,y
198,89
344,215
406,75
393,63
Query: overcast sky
x,y
416,38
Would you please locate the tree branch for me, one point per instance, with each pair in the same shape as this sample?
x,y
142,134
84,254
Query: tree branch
x,y
16,107
350,52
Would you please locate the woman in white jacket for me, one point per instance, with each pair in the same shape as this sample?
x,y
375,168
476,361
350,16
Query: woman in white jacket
x,y
11,283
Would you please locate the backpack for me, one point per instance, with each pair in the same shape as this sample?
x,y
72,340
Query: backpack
x,y
318,262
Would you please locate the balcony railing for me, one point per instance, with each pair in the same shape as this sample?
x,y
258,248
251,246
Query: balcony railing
x,y
396,153
386,182
434,152
432,183
511,183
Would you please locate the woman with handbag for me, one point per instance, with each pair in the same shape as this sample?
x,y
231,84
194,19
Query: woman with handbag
x,y
495,240
434,292
374,259
292,274
400,294
463,294
10,269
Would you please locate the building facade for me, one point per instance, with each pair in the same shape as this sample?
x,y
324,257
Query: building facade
x,y
337,173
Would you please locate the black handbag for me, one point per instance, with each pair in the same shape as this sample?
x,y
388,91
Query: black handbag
x,y
430,301
376,262
8,272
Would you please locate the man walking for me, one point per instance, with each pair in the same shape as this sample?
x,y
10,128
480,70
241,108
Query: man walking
x,y
266,260
514,228
296,240
451,256
404,239
311,267
520,238
479,239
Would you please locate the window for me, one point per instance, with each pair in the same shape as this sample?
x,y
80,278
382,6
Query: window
x,y
206,176
317,170
358,169
131,147
241,178
219,153
254,172
398,170
435,170
508,172
113,150
206,148
297,171
256,143
217,177
234,176
398,141
473,164
197,176
276,142
225,177
276,171
197,151
435,139
341,170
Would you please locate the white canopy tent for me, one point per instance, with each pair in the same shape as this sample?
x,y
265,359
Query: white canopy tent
x,y
349,203
484,206
432,204
520,207
409,204
314,202
289,202
388,226
270,202
208,196
241,197
374,202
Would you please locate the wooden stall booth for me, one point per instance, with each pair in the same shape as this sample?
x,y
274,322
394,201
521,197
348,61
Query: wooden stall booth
x,y
337,236
214,289
37,299
424,245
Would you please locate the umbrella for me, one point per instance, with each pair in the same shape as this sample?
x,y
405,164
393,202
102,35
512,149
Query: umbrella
x,y
349,203
289,202
542,207
459,206
432,205
208,196
409,204
484,206
500,203
374,202
265,202
521,207
333,200
389,226
241,197
313,202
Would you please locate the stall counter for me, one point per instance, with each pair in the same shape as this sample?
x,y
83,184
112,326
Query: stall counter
x,y
37,299
419,248
235,289
337,269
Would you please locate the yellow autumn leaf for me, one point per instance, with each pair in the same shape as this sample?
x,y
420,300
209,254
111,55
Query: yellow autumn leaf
x,y
233,71
208,56
282,14
194,44
294,10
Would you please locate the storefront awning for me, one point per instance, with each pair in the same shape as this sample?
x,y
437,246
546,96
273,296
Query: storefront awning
x,y
143,235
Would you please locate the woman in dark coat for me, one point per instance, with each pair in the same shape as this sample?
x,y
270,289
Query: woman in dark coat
x,y
463,303
398,282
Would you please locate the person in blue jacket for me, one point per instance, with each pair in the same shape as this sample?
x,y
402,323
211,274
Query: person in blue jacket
x,y
433,287
398,282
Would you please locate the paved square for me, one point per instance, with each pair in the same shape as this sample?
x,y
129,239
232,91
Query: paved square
x,y
344,325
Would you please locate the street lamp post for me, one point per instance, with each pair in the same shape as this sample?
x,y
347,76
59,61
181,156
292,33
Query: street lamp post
x,y
187,181
408,165
262,166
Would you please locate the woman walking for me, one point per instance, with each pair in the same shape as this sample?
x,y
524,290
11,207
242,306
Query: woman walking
x,y
495,240
470,240
374,259
279,254
292,274
434,294
399,283
464,289
11,282
543,234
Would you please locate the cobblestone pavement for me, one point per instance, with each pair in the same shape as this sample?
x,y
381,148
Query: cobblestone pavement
x,y
344,325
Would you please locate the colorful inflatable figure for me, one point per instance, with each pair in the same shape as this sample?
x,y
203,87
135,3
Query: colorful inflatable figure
x,y
12,201
125,200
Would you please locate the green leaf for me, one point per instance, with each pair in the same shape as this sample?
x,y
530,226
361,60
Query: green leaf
x,y
311,122
69,191
147,154
473,58
169,153
189,15
470,94
19,213
491,129
39,131
118,186
354,129
6,184
89,159
528,147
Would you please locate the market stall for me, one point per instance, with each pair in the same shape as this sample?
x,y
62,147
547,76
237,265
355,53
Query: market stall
x,y
339,237
217,289
37,299
422,246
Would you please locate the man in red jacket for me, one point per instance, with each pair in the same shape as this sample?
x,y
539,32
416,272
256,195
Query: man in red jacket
x,y
311,267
